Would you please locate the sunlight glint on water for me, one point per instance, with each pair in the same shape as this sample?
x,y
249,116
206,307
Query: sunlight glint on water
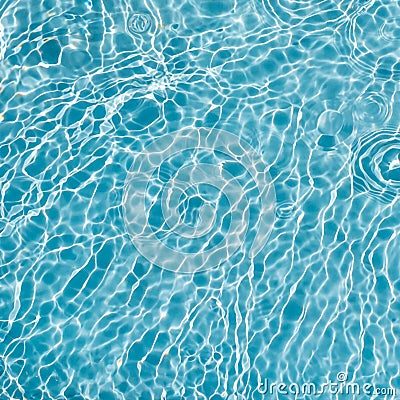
x,y
197,197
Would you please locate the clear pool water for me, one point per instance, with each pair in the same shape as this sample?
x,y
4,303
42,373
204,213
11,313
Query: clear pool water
x,y
199,199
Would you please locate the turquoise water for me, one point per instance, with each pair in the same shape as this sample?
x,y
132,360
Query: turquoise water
x,y
199,199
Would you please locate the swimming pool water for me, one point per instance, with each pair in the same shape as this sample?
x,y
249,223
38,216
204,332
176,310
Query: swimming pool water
x,y
198,197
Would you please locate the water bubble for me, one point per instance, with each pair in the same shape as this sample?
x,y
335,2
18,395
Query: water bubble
x,y
330,122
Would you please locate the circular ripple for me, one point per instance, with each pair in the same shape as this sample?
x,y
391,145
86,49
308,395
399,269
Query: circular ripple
x,y
330,122
3,43
192,199
139,23
215,8
372,107
294,12
371,40
376,165
285,210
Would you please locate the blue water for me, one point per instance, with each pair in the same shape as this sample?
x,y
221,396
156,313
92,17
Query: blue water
x,y
198,197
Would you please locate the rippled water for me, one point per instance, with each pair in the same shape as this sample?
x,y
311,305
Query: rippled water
x,y
198,196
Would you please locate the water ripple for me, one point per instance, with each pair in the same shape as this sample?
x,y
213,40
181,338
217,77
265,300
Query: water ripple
x,y
370,39
326,124
87,90
376,164
187,178
139,23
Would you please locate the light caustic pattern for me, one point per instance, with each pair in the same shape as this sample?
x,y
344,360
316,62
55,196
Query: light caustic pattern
x,y
290,13
219,180
371,39
196,196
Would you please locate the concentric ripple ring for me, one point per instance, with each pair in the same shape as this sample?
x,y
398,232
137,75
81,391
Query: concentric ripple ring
x,y
139,23
376,165
216,165
371,40
289,13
